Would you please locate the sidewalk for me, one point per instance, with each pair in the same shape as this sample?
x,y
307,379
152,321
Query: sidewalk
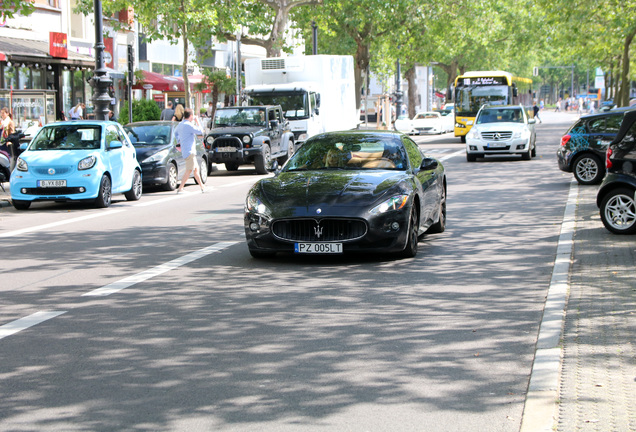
x,y
598,375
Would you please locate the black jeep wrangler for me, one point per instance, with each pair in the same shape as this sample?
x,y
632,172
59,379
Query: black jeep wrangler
x,y
250,135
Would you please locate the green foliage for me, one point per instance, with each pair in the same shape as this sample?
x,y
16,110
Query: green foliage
x,y
11,8
143,110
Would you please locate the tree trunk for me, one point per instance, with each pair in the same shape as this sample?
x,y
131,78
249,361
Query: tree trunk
x,y
625,81
361,63
186,80
412,92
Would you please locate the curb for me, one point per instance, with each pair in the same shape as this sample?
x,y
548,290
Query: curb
x,y
540,411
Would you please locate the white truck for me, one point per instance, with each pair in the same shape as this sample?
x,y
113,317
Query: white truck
x,y
317,93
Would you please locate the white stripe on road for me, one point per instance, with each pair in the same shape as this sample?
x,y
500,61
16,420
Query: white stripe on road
x,y
26,322
60,223
158,270
457,153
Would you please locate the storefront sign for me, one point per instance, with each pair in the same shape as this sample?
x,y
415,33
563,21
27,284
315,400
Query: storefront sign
x,y
108,52
57,45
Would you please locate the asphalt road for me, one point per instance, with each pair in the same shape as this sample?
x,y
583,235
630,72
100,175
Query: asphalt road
x,y
152,315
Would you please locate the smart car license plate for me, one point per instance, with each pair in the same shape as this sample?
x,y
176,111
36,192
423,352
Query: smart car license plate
x,y
496,145
318,248
51,183
225,149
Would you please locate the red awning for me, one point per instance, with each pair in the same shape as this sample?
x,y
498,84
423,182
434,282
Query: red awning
x,y
155,81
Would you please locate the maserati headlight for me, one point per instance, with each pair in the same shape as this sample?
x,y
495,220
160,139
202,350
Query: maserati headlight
x,y
21,165
394,203
157,156
254,205
87,163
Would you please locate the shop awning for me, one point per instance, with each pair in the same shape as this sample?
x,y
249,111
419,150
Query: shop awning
x,y
19,50
155,81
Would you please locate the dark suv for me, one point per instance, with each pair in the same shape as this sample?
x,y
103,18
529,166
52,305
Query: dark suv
x,y
250,135
616,196
583,146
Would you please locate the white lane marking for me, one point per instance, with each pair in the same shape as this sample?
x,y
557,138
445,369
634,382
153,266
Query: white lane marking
x,y
158,270
59,223
166,199
26,322
543,389
457,153
242,182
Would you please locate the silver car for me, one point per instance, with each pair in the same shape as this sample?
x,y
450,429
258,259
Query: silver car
x,y
501,129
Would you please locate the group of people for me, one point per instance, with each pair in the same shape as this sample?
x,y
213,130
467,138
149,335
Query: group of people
x,y
581,105
170,113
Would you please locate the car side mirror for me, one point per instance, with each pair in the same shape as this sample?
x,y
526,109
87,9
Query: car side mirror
x,y
532,121
317,111
24,146
273,124
115,145
429,164
274,167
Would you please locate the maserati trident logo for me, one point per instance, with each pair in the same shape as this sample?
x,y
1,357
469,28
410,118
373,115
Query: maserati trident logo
x,y
318,231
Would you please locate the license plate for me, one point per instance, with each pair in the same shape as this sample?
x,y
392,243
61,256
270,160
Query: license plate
x,y
496,145
318,248
51,183
225,149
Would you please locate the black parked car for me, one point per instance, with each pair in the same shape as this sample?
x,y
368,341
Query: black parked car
x,y
616,196
157,153
342,192
250,135
582,150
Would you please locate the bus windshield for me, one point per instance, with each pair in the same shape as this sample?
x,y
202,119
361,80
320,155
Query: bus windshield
x,y
470,98
295,104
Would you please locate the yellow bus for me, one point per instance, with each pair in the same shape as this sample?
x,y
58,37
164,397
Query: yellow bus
x,y
477,88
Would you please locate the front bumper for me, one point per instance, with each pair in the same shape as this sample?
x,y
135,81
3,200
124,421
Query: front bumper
x,y
379,236
154,173
83,185
511,146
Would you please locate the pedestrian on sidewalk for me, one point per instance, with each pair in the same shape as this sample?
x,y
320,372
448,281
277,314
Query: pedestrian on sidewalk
x,y
535,109
186,134
167,112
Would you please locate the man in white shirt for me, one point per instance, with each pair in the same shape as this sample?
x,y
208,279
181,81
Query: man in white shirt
x,y
186,134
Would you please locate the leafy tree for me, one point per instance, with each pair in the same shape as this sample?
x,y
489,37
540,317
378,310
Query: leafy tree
x,y
218,81
10,8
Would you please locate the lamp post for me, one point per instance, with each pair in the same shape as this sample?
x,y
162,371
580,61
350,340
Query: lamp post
x,y
101,81
314,29
398,90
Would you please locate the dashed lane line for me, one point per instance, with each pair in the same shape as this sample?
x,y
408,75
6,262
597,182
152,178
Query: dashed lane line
x,y
158,270
26,322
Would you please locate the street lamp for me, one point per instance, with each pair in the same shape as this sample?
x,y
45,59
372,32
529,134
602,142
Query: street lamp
x,y
100,81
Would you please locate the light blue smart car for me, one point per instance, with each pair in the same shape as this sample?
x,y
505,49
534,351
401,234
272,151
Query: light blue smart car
x,y
77,161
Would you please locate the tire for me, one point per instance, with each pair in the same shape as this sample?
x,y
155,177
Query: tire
x,y
534,150
263,162
135,191
203,170
471,157
173,178
21,205
526,155
440,225
231,166
261,255
410,251
587,169
105,194
618,211
463,138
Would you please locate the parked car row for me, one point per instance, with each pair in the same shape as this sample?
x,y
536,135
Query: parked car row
x,y
426,122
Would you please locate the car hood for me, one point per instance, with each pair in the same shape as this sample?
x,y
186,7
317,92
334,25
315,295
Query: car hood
x,y
145,151
236,130
495,127
55,157
296,194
